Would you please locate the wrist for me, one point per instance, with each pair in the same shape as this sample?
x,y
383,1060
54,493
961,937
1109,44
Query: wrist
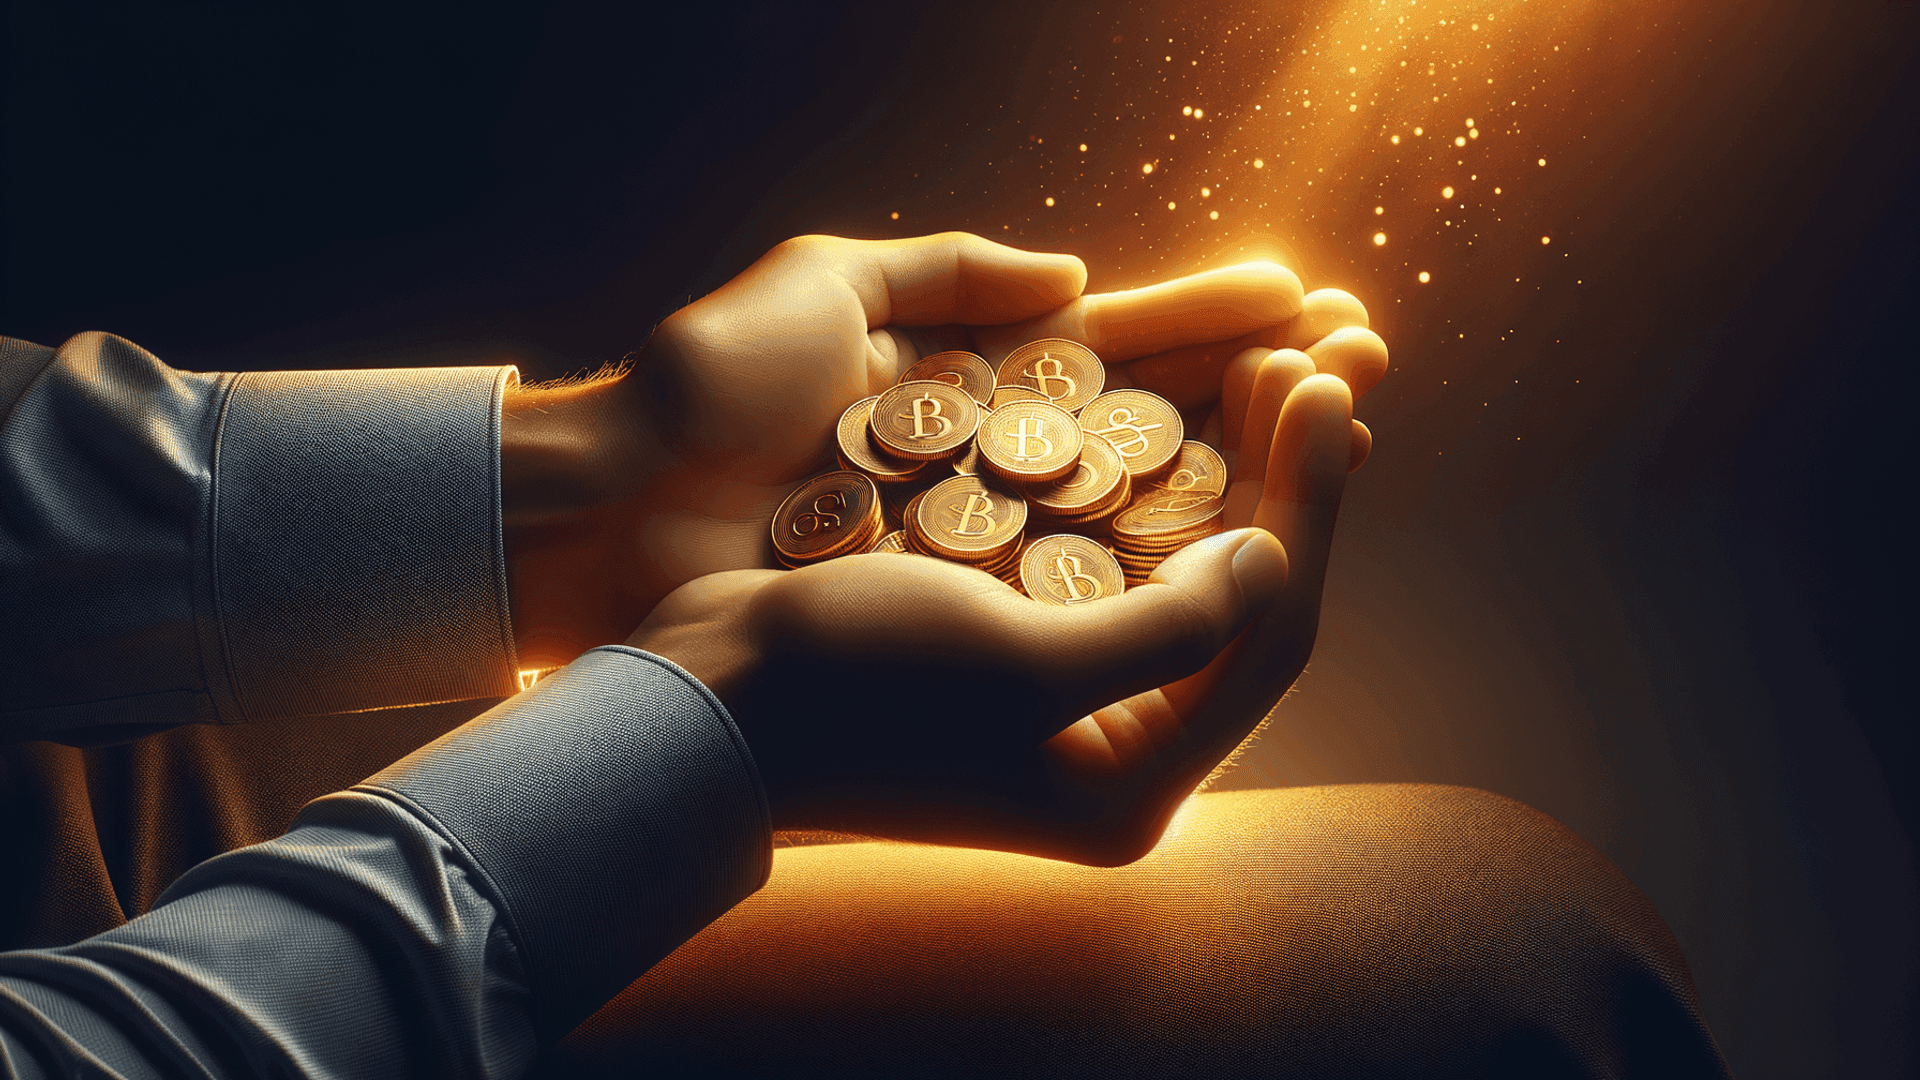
x,y
572,465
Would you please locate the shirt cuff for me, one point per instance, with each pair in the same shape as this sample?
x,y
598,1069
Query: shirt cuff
x,y
356,559
614,809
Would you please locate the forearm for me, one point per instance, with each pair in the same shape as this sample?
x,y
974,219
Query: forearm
x,y
179,547
447,917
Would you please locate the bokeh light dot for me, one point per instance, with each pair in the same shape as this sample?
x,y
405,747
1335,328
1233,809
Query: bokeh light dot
x,y
1425,277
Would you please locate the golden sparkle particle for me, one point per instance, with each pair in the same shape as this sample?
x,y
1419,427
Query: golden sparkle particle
x,y
1419,131
1379,209
1205,191
1546,239
1083,148
1379,239
896,215
1169,205
1543,162
1446,193
1258,164
1215,215
1147,168
1188,111
1396,140
1459,140
1049,200
1473,133
1199,113
1496,191
1425,277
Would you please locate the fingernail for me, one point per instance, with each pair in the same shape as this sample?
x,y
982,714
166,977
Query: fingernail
x,y
1260,564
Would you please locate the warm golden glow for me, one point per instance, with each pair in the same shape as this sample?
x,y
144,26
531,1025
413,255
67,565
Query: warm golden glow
x,y
1049,200
1379,239
1425,277
1446,192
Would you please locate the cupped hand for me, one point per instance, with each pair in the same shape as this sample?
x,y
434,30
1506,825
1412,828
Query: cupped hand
x,y
902,696
617,492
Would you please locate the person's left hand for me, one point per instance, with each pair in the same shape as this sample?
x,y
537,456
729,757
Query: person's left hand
x,y
617,492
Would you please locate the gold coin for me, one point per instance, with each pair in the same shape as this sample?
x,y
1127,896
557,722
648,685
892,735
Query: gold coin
x,y
1095,481
1196,468
1030,442
833,514
1004,394
894,542
958,367
925,420
1144,427
1066,372
1163,514
1068,569
969,519
858,454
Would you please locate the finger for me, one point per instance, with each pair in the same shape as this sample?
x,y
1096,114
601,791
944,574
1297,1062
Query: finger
x,y
1192,606
1307,474
1352,354
1236,390
1299,503
950,277
1211,306
1278,374
1362,446
1322,312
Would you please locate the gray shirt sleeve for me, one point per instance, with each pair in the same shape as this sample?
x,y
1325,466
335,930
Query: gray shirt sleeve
x,y
448,917
178,547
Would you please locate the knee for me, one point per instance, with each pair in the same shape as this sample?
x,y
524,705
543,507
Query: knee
x,y
1447,924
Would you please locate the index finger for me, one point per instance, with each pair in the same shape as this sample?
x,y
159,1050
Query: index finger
x,y
952,277
1211,306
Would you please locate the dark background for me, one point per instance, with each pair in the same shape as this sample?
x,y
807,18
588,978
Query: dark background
x,y
1675,615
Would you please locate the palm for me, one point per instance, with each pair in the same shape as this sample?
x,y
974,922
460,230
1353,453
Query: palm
x,y
745,385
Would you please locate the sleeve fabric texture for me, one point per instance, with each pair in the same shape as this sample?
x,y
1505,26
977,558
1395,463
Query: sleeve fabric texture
x,y
176,548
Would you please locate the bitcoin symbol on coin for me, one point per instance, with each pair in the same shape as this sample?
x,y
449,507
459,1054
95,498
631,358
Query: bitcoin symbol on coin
x,y
1122,419
1021,437
1069,573
822,516
920,418
1042,377
1175,506
978,507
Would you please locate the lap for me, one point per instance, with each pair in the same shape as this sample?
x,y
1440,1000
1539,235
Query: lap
x,y
1366,930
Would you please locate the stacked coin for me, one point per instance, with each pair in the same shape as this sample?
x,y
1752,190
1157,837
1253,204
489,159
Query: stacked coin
x,y
963,462
1161,523
972,520
831,515
1066,569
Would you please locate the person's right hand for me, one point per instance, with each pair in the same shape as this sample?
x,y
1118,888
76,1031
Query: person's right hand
x,y
617,492
902,696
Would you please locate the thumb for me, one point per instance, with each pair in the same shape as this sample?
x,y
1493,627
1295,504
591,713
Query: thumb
x,y
1192,607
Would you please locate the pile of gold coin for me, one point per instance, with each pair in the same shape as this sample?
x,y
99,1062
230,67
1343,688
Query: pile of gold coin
x,y
1029,472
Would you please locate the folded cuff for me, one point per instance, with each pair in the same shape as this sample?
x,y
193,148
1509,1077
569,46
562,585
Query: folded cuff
x,y
356,551
615,810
